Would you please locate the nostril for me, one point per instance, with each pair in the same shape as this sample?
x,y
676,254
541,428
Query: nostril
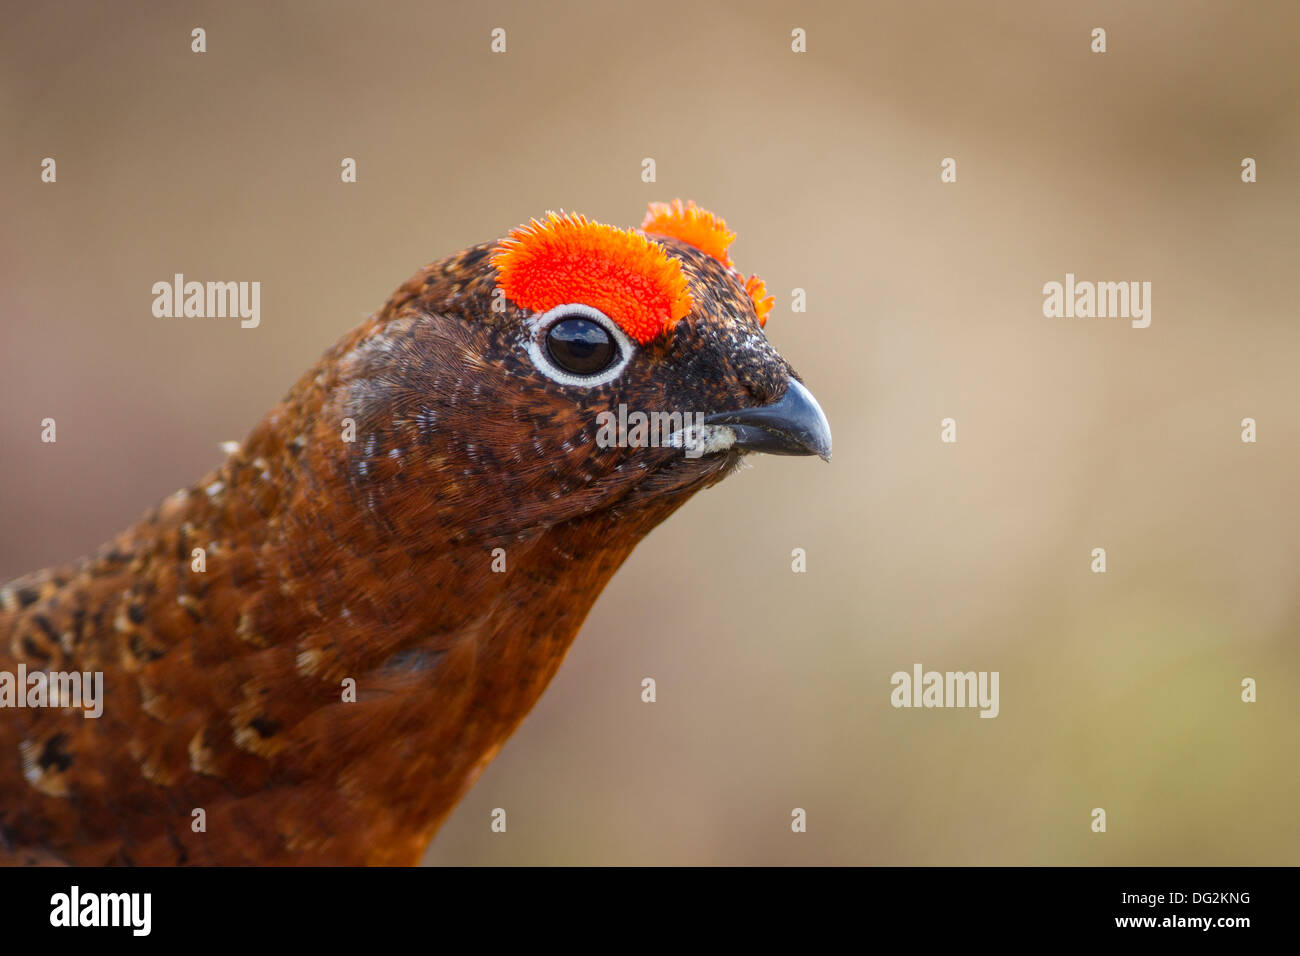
x,y
762,373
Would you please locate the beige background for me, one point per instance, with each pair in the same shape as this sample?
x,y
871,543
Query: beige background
x,y
1118,691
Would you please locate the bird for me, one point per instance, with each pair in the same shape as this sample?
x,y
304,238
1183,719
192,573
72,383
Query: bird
x,y
309,656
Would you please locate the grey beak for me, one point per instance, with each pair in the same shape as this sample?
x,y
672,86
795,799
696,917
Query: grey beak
x,y
794,425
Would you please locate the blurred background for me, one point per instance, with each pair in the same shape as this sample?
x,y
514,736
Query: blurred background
x,y
1118,690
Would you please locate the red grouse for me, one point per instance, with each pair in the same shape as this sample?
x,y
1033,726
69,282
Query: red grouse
x,y
322,643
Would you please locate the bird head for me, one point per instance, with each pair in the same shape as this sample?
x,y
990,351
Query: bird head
x,y
569,368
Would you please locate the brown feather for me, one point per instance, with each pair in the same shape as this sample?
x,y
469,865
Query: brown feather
x,y
368,560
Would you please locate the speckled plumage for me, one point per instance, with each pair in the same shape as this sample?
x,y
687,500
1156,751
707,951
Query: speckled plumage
x,y
369,560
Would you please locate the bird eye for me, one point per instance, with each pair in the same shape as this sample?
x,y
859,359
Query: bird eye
x,y
580,346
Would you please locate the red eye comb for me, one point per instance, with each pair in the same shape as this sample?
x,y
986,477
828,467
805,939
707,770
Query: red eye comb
x,y
692,225
618,271
709,233
762,301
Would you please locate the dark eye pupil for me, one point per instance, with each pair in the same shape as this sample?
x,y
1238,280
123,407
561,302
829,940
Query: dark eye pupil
x,y
580,346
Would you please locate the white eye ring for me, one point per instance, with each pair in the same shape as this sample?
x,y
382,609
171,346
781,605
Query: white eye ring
x,y
539,325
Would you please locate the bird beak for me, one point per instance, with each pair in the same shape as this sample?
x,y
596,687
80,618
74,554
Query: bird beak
x,y
795,425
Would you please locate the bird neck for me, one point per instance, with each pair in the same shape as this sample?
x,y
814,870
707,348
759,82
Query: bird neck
x,y
379,672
